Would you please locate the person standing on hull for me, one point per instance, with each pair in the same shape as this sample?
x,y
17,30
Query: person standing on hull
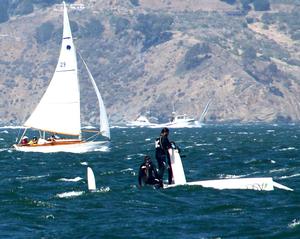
x,y
162,144
148,174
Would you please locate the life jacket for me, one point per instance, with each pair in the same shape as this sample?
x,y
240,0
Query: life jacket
x,y
158,143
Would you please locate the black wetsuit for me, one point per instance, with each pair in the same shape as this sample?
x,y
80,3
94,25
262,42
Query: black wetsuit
x,y
162,145
148,175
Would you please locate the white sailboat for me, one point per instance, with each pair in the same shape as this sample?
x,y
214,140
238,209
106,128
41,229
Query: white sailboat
x,y
58,112
200,123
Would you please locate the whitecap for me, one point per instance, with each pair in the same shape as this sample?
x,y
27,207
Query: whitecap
x,y
294,223
1,139
286,149
202,144
242,133
103,189
188,147
229,176
210,154
83,163
127,169
270,130
291,176
50,216
32,177
148,139
278,170
273,161
70,194
70,179
4,132
219,139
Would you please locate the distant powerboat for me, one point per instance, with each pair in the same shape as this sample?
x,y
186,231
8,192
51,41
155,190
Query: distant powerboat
x,y
180,121
140,121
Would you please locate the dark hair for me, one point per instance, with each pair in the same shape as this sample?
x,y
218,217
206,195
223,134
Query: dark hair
x,y
147,158
165,130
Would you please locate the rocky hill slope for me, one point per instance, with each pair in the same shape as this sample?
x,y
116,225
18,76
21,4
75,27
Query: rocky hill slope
x,y
150,56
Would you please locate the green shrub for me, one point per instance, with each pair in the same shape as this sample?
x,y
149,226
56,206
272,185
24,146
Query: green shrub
x,y
135,3
3,11
154,28
121,24
93,28
24,7
196,55
44,32
261,5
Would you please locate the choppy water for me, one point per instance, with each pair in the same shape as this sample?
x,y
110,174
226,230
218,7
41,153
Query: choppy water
x,y
45,195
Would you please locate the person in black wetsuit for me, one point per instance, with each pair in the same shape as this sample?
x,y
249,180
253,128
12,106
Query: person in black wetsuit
x,y
162,144
148,174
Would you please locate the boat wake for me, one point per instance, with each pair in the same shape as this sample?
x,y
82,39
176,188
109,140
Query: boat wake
x,y
102,149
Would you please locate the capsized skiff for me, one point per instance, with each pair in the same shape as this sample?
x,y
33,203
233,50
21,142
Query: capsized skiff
x,y
266,184
58,111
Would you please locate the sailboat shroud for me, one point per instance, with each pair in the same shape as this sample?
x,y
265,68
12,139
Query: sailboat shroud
x,y
59,109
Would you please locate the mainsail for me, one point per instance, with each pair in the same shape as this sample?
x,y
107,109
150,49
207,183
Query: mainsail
x,y
59,109
104,125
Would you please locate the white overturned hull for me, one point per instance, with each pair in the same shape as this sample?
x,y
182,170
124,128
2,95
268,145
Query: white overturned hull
x,y
70,148
260,184
266,184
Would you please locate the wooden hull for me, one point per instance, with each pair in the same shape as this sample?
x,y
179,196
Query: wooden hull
x,y
65,145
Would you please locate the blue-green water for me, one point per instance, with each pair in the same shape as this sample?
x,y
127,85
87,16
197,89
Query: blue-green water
x,y
36,188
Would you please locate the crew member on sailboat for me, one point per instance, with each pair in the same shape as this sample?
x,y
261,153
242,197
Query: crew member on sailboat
x,y
162,144
148,174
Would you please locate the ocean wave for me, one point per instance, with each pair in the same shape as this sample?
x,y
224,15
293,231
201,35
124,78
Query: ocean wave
x,y
103,190
203,144
286,149
70,179
70,194
83,163
291,176
126,170
278,170
102,149
294,223
1,139
229,176
50,216
30,178
4,132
